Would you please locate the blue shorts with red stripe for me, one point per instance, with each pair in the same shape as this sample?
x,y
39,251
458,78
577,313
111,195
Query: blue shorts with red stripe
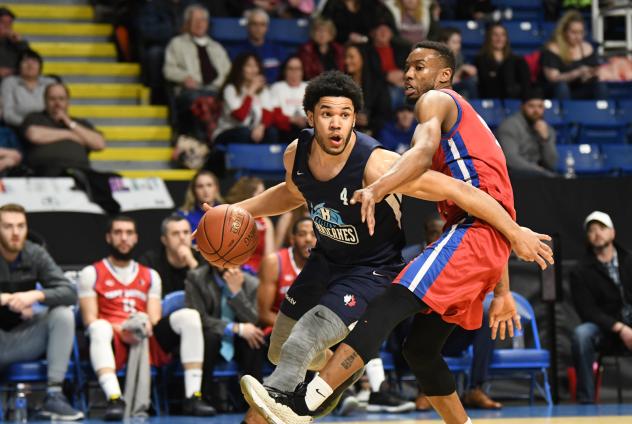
x,y
453,274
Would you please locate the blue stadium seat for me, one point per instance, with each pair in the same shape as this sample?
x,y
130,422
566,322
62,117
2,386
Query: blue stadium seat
x,y
522,9
525,35
245,159
472,32
620,90
228,30
588,159
172,302
491,110
596,120
618,157
624,108
290,32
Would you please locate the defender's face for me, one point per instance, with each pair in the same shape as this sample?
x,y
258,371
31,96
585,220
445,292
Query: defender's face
x,y
304,240
422,70
333,119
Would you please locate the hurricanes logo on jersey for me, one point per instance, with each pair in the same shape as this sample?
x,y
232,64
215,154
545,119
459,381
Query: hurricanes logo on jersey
x,y
328,223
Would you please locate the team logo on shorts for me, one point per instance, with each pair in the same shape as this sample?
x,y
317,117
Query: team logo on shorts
x,y
328,223
349,300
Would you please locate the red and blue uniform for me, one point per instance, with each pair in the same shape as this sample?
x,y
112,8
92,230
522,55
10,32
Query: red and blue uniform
x,y
453,274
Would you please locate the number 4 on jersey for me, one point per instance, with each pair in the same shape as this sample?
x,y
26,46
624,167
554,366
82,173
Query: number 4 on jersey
x,y
343,197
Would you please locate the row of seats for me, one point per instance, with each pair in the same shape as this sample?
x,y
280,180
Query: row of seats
x,y
595,159
289,32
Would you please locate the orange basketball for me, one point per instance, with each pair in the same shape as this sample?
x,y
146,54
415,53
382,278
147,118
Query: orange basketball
x,y
227,236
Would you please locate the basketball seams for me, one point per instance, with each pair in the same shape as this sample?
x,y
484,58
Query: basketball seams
x,y
208,240
241,236
223,227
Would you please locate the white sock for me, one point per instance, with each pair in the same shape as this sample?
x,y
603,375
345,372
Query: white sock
x,y
469,421
192,381
110,385
375,372
317,392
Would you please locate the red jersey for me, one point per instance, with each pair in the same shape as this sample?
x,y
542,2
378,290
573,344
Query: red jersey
x,y
255,260
288,271
471,153
117,301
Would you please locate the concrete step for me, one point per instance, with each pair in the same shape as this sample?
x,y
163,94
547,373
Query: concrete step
x,y
29,29
95,73
69,49
139,143
165,174
133,154
136,133
89,112
111,165
108,91
62,12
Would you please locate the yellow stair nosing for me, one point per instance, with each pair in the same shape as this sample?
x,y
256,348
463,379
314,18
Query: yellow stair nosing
x,y
92,69
105,90
63,49
50,11
136,132
165,174
133,154
118,111
63,29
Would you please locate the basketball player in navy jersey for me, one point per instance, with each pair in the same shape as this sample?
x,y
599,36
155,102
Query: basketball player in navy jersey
x,y
349,267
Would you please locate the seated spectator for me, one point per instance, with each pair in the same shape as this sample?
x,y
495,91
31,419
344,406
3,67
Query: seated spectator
x,y
501,74
56,141
391,55
226,301
271,53
321,53
175,258
116,288
527,140
25,334
10,153
397,135
11,44
203,188
247,114
569,63
245,188
377,101
464,81
355,18
283,226
24,93
601,286
416,20
287,95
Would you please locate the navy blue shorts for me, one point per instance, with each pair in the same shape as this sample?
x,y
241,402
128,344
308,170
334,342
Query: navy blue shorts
x,y
346,290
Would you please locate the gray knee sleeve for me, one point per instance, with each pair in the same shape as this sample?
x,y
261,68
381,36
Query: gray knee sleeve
x,y
280,332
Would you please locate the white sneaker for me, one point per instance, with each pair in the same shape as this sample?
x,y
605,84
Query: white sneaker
x,y
274,412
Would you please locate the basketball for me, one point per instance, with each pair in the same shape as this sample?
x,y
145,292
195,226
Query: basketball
x,y
227,236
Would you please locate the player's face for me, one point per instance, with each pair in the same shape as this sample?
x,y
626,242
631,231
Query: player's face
x,y
533,110
424,71
205,189
599,236
304,240
122,237
13,231
333,119
178,234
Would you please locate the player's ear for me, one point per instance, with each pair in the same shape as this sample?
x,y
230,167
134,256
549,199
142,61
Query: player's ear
x,y
310,118
445,75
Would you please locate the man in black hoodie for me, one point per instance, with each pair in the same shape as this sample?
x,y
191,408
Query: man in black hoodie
x,y
602,292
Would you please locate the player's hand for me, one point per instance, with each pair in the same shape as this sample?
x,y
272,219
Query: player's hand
x,y
368,197
252,334
503,316
530,247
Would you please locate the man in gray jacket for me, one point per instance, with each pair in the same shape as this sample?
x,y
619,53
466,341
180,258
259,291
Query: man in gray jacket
x,y
24,334
528,141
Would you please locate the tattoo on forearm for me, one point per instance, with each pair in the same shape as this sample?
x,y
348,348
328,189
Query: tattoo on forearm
x,y
346,363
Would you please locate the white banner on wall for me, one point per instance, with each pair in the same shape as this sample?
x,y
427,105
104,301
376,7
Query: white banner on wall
x,y
60,194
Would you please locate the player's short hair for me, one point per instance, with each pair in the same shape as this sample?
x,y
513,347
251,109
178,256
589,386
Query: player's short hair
x,y
332,84
13,207
298,222
119,218
444,51
168,220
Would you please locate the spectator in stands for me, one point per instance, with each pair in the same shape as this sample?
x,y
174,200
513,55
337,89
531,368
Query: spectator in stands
x,y
11,44
56,141
24,93
271,53
527,140
25,333
226,301
245,188
416,20
287,95
377,102
279,270
465,79
203,188
283,226
391,55
196,63
116,288
396,135
501,74
601,286
247,115
355,18
175,258
321,53
569,63
10,152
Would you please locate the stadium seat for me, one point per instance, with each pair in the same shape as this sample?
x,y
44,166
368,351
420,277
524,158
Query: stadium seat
x,y
516,363
491,110
246,159
587,157
229,30
625,110
472,32
617,157
522,9
596,121
289,32
172,302
620,90
524,35
552,115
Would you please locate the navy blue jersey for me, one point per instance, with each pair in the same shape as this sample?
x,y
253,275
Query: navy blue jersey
x,y
342,236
